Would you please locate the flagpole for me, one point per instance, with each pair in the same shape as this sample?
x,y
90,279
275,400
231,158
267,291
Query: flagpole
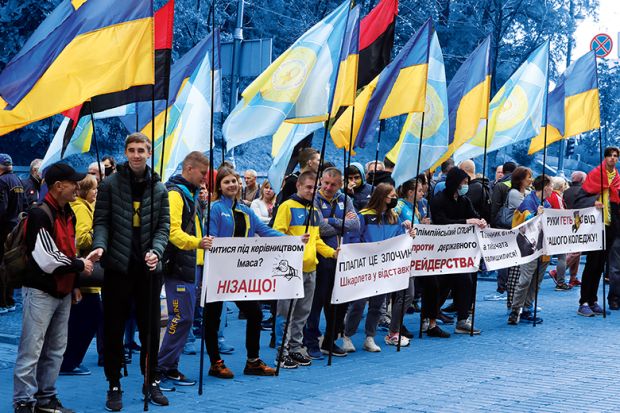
x,y
163,140
209,192
376,156
92,122
316,183
137,119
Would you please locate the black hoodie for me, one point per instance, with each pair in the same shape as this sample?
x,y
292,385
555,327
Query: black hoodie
x,y
445,209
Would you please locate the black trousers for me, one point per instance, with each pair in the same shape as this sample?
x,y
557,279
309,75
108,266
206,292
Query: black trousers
x,y
119,290
254,315
430,296
595,265
461,286
84,321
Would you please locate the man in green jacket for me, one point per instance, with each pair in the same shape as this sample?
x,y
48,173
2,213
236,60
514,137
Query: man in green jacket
x,y
131,229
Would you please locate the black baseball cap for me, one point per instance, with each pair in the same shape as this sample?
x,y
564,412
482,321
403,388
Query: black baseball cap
x,y
62,172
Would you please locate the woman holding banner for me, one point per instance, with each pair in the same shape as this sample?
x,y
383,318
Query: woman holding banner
x,y
378,222
231,218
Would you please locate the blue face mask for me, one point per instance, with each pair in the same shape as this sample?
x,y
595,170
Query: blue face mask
x,y
463,190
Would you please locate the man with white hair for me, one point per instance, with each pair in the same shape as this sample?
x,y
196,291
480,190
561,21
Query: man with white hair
x,y
251,190
32,185
96,169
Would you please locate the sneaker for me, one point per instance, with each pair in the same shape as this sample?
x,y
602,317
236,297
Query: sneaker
x,y
179,378
219,370
464,327
392,340
287,363
315,354
563,287
189,349
23,407
347,345
528,317
437,332
514,317
337,351
300,358
554,276
165,384
445,318
267,325
258,368
225,348
370,345
52,406
574,283
156,397
585,310
78,371
114,400
597,309
406,333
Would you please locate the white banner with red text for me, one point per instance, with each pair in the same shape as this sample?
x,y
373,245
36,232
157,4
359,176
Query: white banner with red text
x,y
245,269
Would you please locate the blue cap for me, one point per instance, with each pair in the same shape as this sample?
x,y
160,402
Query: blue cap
x,y
5,159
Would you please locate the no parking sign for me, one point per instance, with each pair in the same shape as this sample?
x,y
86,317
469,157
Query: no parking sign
x,y
602,45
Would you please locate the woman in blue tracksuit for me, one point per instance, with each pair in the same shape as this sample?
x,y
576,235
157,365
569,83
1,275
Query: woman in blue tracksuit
x,y
378,222
230,218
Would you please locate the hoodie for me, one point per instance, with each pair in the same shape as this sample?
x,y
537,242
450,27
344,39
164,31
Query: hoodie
x,y
445,209
361,194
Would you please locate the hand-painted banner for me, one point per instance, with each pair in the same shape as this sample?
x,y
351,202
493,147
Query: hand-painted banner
x,y
444,249
503,248
372,268
240,269
573,230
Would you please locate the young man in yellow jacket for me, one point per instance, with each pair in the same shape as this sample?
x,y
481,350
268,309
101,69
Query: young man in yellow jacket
x,y
291,219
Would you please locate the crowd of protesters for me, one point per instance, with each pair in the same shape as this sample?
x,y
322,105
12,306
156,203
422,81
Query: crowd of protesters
x,y
103,245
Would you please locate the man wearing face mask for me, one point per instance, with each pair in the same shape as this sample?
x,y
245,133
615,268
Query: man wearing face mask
x,y
451,206
109,165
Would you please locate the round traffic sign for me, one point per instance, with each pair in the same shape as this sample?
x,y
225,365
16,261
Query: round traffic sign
x,y
601,44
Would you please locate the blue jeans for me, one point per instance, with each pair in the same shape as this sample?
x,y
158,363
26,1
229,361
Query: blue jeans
x,y
41,346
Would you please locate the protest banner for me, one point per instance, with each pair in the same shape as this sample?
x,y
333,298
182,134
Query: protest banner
x,y
573,230
503,248
372,268
243,269
444,249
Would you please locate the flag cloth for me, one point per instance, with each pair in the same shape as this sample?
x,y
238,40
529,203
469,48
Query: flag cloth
x,y
469,93
517,111
82,49
400,88
346,84
189,118
376,40
69,139
436,124
296,87
573,104
283,143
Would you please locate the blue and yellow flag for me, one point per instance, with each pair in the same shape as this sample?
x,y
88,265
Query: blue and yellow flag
x,y
436,124
296,87
83,49
469,93
400,88
573,104
346,84
61,147
517,111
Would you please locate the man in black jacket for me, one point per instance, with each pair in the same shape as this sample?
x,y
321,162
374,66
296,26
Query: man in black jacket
x,y
451,206
47,288
501,189
131,228
479,193
32,185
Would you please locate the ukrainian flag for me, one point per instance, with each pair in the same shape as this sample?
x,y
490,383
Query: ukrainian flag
x,y
573,104
400,88
83,49
69,140
296,87
469,93
436,124
346,85
517,111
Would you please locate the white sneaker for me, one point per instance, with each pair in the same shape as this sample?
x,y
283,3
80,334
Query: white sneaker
x,y
392,340
370,345
347,345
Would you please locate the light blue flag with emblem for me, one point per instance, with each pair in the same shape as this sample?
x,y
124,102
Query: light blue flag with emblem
x,y
189,119
282,146
517,111
436,124
295,88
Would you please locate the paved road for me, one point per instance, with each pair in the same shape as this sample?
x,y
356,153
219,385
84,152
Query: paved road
x,y
567,364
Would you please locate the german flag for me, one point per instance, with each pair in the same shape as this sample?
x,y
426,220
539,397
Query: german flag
x,y
84,48
376,41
